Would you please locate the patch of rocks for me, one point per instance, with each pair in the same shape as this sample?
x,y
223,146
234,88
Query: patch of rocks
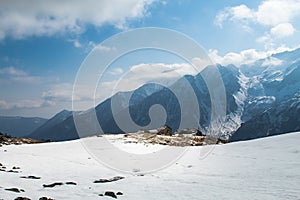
x,y
52,185
8,140
45,198
174,140
26,198
14,169
111,194
58,184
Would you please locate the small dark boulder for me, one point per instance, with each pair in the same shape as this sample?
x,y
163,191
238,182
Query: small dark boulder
x,y
110,194
16,167
22,198
52,184
119,193
45,198
71,183
15,190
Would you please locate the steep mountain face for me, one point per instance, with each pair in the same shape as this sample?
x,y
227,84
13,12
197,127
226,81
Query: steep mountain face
x,y
272,103
20,126
259,97
282,117
59,127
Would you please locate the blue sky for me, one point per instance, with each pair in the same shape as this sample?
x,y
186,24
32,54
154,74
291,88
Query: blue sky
x,y
43,45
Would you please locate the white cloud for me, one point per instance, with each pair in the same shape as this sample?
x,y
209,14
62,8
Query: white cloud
x,y
283,30
59,92
274,12
276,15
269,12
201,63
14,75
116,71
4,105
272,62
102,47
77,44
20,20
244,57
63,92
11,71
247,56
143,73
237,13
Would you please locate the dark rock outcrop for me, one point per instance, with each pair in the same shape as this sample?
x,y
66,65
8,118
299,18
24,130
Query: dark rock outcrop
x,y
30,177
52,184
116,178
110,194
71,183
45,198
15,190
22,198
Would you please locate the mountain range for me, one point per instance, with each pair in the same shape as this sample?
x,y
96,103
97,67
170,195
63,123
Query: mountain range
x,y
20,126
262,99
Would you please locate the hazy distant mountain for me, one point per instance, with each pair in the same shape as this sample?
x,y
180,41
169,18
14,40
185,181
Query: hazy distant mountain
x,y
260,96
20,126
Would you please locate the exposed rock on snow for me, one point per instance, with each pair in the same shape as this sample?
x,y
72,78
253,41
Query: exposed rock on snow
x,y
22,198
30,177
15,190
45,198
12,170
189,132
116,178
187,139
71,183
110,194
7,140
164,130
52,184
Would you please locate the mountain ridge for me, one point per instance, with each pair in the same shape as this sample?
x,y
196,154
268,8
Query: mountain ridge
x,y
250,90
18,126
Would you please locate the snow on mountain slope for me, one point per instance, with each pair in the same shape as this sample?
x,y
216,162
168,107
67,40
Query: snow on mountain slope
x,y
282,117
259,169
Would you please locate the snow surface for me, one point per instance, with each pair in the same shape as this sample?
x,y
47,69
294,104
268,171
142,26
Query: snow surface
x,y
267,168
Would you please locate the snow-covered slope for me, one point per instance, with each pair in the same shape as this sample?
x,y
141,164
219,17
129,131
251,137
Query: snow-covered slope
x,y
265,168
